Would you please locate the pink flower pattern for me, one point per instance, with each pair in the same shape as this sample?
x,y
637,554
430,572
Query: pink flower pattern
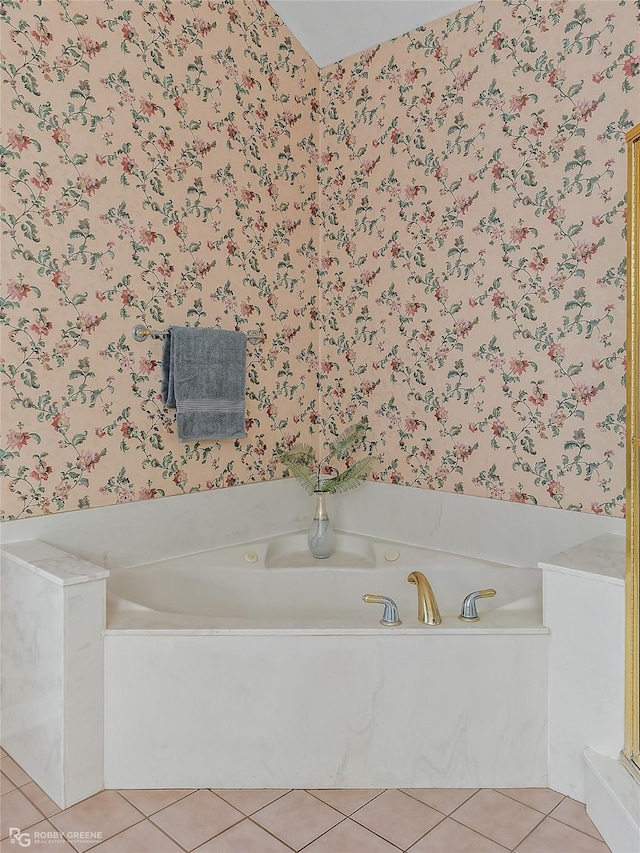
x,y
513,368
441,217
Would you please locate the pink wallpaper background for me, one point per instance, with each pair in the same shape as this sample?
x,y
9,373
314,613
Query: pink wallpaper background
x,y
473,258
449,259
158,166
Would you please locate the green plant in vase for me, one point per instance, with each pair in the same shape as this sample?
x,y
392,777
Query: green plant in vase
x,y
315,477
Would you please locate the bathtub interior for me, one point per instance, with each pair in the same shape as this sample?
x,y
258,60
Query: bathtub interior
x,y
275,583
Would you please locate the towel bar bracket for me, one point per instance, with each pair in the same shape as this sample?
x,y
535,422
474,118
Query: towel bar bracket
x,y
141,332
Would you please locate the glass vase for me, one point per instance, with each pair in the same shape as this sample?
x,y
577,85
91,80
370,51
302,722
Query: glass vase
x,y
321,538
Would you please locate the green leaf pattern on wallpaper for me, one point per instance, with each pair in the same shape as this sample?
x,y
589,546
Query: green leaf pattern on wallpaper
x,y
429,234
158,167
473,184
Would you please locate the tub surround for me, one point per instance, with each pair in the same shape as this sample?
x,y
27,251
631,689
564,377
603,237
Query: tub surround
x,y
584,610
516,534
53,616
498,738
613,802
483,528
189,524
52,564
277,711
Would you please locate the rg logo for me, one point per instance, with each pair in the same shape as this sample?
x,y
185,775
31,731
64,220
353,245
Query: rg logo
x,y
22,838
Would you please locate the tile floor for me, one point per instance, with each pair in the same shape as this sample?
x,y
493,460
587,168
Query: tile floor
x,y
419,820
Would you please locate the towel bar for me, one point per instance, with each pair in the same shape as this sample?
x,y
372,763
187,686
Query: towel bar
x,y
141,333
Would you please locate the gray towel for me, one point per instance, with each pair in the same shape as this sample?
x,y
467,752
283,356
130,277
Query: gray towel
x,y
203,377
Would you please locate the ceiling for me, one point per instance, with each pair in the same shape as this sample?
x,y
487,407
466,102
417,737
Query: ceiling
x,y
331,30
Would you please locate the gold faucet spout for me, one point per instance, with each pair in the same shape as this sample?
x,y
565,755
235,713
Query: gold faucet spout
x,y
428,611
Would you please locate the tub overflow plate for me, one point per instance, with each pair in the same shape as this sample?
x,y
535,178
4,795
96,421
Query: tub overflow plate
x,y
392,555
251,557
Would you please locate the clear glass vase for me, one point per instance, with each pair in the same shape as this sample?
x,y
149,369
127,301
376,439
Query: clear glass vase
x,y
321,538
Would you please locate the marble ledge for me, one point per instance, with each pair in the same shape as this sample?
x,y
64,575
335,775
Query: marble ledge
x,y
599,559
57,566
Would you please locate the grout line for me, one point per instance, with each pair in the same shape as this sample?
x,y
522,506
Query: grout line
x,y
19,788
407,791
488,837
543,816
516,800
435,826
443,817
264,829
568,825
528,834
93,846
559,819
206,840
229,803
146,819
375,796
187,793
575,828
149,818
346,818
313,840
122,797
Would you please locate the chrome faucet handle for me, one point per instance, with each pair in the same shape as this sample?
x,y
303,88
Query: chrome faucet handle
x,y
469,613
390,617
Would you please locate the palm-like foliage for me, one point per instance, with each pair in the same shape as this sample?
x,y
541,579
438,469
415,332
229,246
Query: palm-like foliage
x,y
302,462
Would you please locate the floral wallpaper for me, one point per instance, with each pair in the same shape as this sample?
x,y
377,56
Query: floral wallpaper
x,y
449,260
158,167
473,259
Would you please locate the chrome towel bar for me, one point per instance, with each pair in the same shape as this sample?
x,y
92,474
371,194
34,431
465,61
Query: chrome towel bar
x,y
141,332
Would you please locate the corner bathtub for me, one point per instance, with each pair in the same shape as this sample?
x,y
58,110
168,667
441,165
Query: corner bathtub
x,y
258,666
276,585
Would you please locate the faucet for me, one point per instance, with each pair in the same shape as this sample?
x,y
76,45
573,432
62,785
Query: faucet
x,y
428,611
390,616
469,612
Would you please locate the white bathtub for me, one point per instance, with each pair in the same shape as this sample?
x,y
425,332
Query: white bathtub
x,y
258,666
210,671
275,584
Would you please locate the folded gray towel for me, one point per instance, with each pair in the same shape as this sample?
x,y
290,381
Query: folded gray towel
x,y
203,377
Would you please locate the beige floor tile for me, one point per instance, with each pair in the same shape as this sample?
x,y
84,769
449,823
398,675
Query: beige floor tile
x,y
445,800
452,837
244,837
6,784
500,818
43,838
541,799
106,814
40,800
346,801
551,836
351,837
14,772
151,801
575,814
398,818
144,837
249,800
17,811
196,818
297,818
